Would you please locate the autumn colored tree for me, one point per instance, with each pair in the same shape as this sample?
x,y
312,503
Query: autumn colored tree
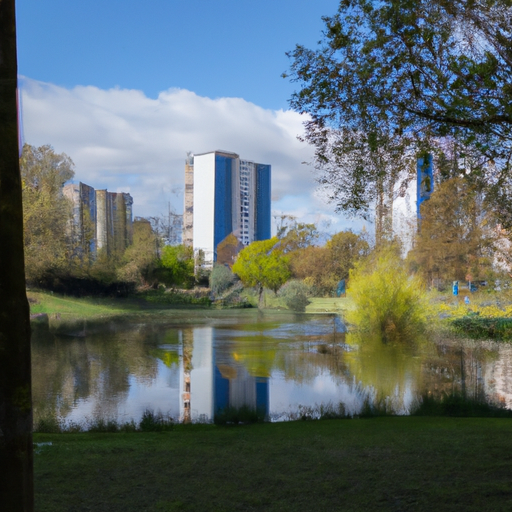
x,y
324,267
456,238
228,249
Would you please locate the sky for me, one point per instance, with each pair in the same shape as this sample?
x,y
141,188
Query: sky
x,y
126,88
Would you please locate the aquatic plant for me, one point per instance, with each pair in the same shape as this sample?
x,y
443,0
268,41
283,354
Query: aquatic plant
x,y
155,422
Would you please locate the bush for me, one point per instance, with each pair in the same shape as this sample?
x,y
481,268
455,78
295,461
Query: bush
x,y
221,278
476,326
386,299
295,294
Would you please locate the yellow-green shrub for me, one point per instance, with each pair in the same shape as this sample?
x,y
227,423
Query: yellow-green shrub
x,y
386,299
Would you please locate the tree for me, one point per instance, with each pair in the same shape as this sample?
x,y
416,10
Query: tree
x,y
387,301
228,249
346,248
140,259
324,267
168,226
16,467
402,75
221,278
178,263
298,236
46,212
457,234
262,264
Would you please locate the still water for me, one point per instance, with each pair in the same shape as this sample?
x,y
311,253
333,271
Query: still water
x,y
195,363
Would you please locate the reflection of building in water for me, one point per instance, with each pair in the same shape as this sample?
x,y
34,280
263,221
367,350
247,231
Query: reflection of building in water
x,y
187,343
211,382
235,388
499,377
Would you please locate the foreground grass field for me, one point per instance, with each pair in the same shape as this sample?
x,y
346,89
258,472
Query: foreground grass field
x,y
393,463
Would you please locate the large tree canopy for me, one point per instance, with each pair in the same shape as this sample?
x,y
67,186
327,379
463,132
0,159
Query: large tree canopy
x,y
46,211
402,76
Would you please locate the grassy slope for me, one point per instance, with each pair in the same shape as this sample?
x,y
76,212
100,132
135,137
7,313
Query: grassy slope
x,y
76,308
399,463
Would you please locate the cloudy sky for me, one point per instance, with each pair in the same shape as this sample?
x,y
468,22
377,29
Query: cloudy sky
x,y
126,88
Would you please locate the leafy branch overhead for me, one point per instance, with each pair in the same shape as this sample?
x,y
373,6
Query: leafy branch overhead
x,y
391,79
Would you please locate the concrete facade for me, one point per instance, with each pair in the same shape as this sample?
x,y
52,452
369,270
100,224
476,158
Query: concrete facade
x,y
188,210
102,220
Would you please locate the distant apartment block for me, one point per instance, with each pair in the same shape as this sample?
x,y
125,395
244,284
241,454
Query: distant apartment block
x,y
102,220
188,210
227,200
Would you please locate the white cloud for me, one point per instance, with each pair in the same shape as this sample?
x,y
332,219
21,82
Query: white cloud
x,y
124,141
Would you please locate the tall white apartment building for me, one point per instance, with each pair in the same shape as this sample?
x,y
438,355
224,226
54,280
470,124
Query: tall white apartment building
x,y
230,196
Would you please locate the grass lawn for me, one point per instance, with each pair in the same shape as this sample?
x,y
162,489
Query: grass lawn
x,y
390,463
71,307
327,305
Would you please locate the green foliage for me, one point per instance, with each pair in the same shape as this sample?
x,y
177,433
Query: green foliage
x,y
393,78
176,266
387,301
295,294
477,326
175,298
221,278
298,236
262,265
46,212
140,259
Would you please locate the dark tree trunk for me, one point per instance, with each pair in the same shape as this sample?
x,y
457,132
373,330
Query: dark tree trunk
x,y
16,474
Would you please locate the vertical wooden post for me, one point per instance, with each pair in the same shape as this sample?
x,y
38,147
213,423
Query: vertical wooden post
x,y
16,459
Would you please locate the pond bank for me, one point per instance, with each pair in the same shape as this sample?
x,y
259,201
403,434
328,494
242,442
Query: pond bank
x,y
397,463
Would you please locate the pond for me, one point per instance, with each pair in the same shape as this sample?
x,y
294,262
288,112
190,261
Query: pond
x,y
192,364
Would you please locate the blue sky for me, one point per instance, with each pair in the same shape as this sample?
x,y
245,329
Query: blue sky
x,y
126,88
238,45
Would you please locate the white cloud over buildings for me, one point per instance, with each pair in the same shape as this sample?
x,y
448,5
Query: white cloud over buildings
x,y
124,141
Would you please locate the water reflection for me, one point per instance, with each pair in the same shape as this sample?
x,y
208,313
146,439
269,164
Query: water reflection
x,y
275,363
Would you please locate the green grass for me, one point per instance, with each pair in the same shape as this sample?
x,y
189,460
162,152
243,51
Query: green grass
x,y
391,463
71,307
328,305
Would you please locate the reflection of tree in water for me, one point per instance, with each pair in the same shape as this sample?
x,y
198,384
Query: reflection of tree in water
x,y
98,367
60,375
458,365
301,359
385,371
